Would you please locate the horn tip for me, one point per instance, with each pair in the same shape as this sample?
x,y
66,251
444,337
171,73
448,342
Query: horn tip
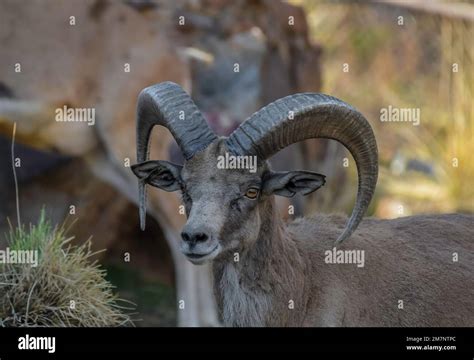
x,y
142,222
343,237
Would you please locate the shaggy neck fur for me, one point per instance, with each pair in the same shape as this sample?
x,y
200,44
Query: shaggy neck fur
x,y
266,286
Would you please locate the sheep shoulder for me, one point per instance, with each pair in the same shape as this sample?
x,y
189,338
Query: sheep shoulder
x,y
417,271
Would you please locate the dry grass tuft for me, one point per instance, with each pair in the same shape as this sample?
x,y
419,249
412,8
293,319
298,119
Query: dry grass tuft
x,y
66,288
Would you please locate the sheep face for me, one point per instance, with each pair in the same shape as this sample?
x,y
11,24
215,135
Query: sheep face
x,y
225,205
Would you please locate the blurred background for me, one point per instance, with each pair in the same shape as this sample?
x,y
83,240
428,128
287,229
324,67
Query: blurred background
x,y
233,57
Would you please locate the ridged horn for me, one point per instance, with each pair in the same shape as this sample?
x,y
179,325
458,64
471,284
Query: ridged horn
x,y
306,116
168,105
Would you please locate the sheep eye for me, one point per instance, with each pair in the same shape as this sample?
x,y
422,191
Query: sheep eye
x,y
167,177
251,193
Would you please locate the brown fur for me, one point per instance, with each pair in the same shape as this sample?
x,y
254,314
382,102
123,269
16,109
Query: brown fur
x,y
409,259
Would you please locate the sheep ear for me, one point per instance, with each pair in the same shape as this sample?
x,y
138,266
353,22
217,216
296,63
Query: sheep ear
x,y
159,173
289,183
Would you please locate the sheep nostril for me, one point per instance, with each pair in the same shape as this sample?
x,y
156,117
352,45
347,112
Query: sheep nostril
x,y
194,238
185,236
200,237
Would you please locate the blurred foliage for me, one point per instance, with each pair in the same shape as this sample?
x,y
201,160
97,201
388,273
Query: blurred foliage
x,y
405,66
156,301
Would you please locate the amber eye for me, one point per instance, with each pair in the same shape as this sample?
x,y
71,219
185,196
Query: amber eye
x,y
251,193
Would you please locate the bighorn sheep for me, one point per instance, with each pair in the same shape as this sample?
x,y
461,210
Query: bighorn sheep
x,y
417,270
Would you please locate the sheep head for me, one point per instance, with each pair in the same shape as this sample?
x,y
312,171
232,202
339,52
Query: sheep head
x,y
226,183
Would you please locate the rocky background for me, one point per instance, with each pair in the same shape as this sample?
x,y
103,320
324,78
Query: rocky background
x,y
232,56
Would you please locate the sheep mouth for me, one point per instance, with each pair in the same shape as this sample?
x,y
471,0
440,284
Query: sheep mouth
x,y
200,257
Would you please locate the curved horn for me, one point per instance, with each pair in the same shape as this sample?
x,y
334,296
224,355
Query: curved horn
x,y
304,116
168,105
